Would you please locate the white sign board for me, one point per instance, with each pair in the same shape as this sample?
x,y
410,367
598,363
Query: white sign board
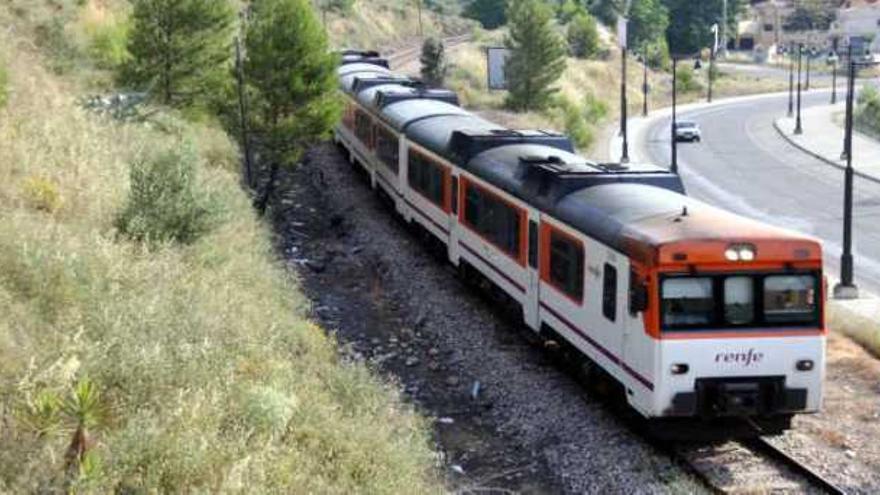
x,y
496,60
621,31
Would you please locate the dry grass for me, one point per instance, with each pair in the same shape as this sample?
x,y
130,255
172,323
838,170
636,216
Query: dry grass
x,y
388,24
860,320
200,371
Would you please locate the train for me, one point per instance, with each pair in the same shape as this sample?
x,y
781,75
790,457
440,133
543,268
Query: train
x,y
700,316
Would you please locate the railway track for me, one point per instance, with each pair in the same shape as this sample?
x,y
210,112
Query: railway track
x,y
407,55
752,466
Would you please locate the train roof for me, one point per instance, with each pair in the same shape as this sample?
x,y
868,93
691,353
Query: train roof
x,y
434,132
640,220
404,113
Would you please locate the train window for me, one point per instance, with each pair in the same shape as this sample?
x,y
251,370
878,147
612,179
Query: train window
x,y
609,293
363,127
790,299
567,265
688,301
739,300
533,244
387,148
426,177
495,220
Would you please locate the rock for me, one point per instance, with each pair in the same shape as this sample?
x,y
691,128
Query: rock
x,y
356,249
412,361
433,366
375,341
458,469
445,420
433,352
452,380
393,340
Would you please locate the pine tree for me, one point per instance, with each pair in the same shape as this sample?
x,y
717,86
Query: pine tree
x,y
433,62
490,13
180,49
537,55
291,76
583,36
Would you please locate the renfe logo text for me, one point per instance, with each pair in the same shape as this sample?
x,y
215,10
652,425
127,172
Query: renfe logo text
x,y
744,358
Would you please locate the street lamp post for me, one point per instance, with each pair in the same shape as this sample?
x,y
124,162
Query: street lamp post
x,y
846,289
645,84
798,129
711,73
674,166
834,80
790,84
809,57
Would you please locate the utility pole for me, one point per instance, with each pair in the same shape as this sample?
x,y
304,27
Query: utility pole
x,y
674,166
797,127
846,289
621,35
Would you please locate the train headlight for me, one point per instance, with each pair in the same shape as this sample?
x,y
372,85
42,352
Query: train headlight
x,y
805,365
679,369
740,252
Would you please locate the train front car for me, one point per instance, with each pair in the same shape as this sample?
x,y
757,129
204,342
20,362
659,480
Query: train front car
x,y
735,312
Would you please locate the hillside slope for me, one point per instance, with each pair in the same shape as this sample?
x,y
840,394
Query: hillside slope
x,y
137,367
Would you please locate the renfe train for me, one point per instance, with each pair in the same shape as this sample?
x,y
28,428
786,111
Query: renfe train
x,y
694,312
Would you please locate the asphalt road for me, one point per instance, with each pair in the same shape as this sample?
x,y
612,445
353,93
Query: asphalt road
x,y
744,166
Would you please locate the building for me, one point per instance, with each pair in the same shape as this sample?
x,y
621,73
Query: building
x,y
762,28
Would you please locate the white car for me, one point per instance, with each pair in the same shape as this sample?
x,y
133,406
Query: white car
x,y
687,131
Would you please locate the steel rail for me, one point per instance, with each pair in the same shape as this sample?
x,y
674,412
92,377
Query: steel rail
x,y
765,447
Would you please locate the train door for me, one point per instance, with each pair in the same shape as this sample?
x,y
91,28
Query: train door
x,y
533,296
455,204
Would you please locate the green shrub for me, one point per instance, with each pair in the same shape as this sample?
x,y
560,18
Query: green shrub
x,y
687,79
867,114
575,121
583,36
595,110
164,203
108,44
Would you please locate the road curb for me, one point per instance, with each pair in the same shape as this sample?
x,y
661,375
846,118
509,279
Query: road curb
x,y
818,156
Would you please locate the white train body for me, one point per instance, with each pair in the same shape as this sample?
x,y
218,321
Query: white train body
x,y
695,311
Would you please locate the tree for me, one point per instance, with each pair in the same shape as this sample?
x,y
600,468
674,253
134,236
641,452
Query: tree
x,y
583,36
811,15
606,11
433,62
180,49
537,55
567,10
291,78
490,13
648,20
690,22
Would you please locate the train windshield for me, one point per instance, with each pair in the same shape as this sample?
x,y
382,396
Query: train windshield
x,y
739,301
